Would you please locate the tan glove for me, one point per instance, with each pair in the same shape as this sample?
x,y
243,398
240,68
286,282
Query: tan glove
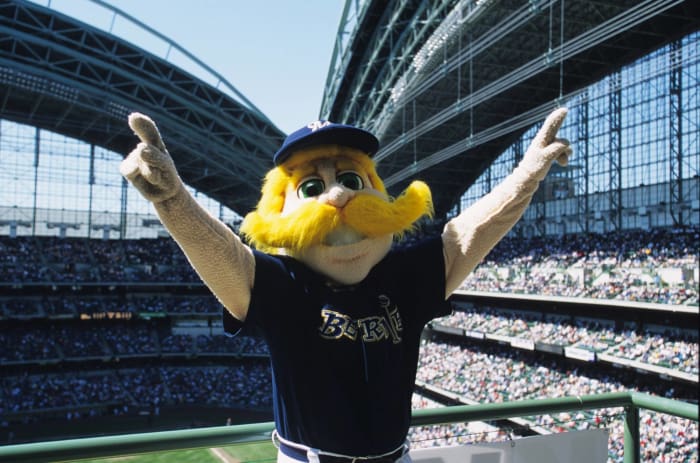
x,y
546,147
149,166
470,236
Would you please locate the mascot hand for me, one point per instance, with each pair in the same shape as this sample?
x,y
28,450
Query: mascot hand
x,y
546,148
149,167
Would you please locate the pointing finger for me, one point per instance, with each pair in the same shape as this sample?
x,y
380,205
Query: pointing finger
x,y
144,128
547,134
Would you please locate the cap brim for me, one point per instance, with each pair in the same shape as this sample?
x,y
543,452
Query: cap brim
x,y
349,136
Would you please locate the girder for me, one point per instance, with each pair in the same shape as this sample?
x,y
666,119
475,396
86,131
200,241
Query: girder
x,y
62,75
478,74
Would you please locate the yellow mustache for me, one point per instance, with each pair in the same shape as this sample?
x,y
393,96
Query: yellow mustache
x,y
310,224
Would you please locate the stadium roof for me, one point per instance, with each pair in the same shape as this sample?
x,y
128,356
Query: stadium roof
x,y
446,86
66,76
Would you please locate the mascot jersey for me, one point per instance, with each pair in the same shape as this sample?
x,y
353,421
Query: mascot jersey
x,y
344,359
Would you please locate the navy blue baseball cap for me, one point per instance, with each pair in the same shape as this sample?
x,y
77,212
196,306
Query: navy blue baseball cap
x,y
326,133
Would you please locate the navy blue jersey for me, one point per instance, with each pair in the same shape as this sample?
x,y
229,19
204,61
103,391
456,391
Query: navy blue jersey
x,y
344,358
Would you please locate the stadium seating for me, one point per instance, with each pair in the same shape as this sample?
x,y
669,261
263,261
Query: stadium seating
x,y
115,327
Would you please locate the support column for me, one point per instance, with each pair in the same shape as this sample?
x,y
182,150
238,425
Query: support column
x,y
615,152
582,193
37,149
676,135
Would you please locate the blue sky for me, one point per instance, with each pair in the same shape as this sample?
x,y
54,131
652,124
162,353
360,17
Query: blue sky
x,y
275,52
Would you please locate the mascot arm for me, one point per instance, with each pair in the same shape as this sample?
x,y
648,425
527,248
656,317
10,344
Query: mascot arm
x,y
224,263
469,237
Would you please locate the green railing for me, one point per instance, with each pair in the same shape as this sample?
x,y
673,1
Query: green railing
x,y
110,446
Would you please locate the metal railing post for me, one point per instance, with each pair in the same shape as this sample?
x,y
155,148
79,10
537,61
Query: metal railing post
x,y
631,444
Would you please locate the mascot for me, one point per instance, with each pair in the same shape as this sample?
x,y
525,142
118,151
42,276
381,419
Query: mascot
x,y
339,302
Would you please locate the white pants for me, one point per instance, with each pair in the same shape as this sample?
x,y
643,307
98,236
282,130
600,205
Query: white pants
x,y
284,458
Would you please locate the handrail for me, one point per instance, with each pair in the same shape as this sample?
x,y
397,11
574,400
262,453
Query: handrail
x,y
109,446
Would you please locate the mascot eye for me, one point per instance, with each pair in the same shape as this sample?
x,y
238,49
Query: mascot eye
x,y
351,181
311,188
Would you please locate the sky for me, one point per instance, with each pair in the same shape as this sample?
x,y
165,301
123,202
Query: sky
x,y
275,52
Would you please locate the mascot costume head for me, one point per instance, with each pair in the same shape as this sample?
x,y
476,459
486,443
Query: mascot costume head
x,y
324,204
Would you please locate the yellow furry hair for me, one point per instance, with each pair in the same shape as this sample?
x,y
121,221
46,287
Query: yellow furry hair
x,y
268,230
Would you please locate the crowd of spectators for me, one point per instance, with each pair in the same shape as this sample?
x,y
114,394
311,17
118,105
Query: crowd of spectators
x,y
116,340
28,259
73,305
489,374
658,265
485,374
672,348
128,390
628,265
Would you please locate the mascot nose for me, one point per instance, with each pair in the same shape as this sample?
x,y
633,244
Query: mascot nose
x,y
337,196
